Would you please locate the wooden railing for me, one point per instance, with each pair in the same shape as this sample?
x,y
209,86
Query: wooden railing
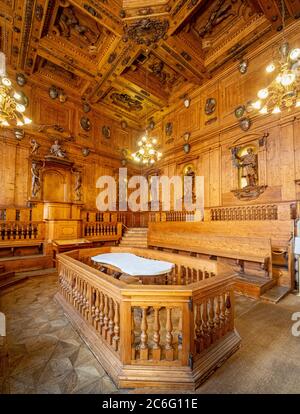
x,y
17,230
140,332
102,231
258,212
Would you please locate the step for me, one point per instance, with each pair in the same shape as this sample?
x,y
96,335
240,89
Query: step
x,y
12,281
6,275
2,268
253,286
275,294
37,272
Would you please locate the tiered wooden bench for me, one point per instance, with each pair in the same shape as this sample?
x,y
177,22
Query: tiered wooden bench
x,y
262,250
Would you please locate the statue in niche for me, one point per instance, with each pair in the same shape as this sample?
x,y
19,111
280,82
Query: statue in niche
x,y
78,185
249,165
189,172
57,150
34,146
35,180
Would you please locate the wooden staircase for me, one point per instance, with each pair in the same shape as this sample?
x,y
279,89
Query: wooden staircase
x,y
135,237
8,279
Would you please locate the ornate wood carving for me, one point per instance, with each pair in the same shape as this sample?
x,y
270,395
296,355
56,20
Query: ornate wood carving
x,y
147,31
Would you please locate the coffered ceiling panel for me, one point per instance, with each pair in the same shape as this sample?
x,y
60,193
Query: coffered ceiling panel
x,y
132,58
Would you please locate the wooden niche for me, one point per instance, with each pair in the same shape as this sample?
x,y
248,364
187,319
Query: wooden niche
x,y
249,164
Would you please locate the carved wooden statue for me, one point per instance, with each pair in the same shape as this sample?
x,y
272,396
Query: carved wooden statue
x,y
34,146
35,180
57,150
249,166
78,185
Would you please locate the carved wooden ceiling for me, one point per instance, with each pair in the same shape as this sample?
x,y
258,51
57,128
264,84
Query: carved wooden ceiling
x,y
132,58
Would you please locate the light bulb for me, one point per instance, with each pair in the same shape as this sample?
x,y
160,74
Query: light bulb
x,y
287,78
264,110
6,82
20,123
140,143
27,121
20,108
276,110
151,152
144,139
5,123
295,54
142,151
145,161
152,161
17,96
154,141
263,93
270,68
257,104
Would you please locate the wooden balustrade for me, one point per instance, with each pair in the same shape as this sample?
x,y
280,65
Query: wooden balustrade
x,y
17,230
258,212
102,231
140,332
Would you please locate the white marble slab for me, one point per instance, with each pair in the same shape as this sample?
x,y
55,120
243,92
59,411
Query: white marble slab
x,y
134,265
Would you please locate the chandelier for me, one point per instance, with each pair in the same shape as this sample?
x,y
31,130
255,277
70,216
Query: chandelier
x,y
12,106
147,153
284,91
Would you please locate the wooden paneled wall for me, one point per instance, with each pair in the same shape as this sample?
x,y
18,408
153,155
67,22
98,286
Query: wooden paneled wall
x,y
212,137
103,159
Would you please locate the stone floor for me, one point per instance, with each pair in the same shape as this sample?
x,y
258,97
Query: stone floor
x,y
46,355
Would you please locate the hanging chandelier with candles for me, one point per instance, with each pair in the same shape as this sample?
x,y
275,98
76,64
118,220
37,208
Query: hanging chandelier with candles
x,y
12,107
284,91
147,153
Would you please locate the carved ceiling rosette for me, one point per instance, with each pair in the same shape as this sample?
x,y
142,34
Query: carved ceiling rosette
x,y
146,31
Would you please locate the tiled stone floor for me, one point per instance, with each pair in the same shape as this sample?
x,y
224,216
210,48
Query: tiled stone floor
x,y
46,355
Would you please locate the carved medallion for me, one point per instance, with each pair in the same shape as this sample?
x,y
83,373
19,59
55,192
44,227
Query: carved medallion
x,y
186,148
53,92
85,123
86,107
186,136
186,102
243,66
106,131
85,151
210,106
147,31
245,124
239,111
169,129
21,79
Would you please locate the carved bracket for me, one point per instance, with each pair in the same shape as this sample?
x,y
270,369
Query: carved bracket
x,y
249,193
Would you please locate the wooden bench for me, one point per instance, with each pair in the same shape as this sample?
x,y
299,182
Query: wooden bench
x,y
12,248
241,249
267,243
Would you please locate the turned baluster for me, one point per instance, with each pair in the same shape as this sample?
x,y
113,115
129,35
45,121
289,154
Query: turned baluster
x,y
205,329
228,312
222,314
105,317
211,321
116,337
133,347
169,337
198,329
101,314
93,306
96,313
144,351
156,335
111,315
200,275
217,317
